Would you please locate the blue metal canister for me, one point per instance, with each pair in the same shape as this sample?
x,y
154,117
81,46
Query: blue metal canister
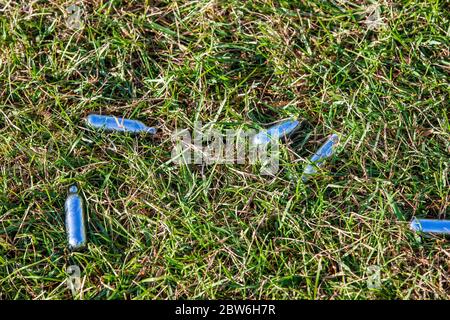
x,y
75,219
278,131
324,152
111,123
430,226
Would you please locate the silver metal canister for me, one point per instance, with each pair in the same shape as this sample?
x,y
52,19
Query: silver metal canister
x,y
75,219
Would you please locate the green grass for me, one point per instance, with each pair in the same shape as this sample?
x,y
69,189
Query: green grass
x,y
159,231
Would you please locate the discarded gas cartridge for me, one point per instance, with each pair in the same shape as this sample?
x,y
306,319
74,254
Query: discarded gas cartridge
x,y
111,123
277,131
324,152
430,226
75,219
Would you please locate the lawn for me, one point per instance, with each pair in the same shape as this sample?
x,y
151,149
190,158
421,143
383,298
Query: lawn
x,y
376,73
